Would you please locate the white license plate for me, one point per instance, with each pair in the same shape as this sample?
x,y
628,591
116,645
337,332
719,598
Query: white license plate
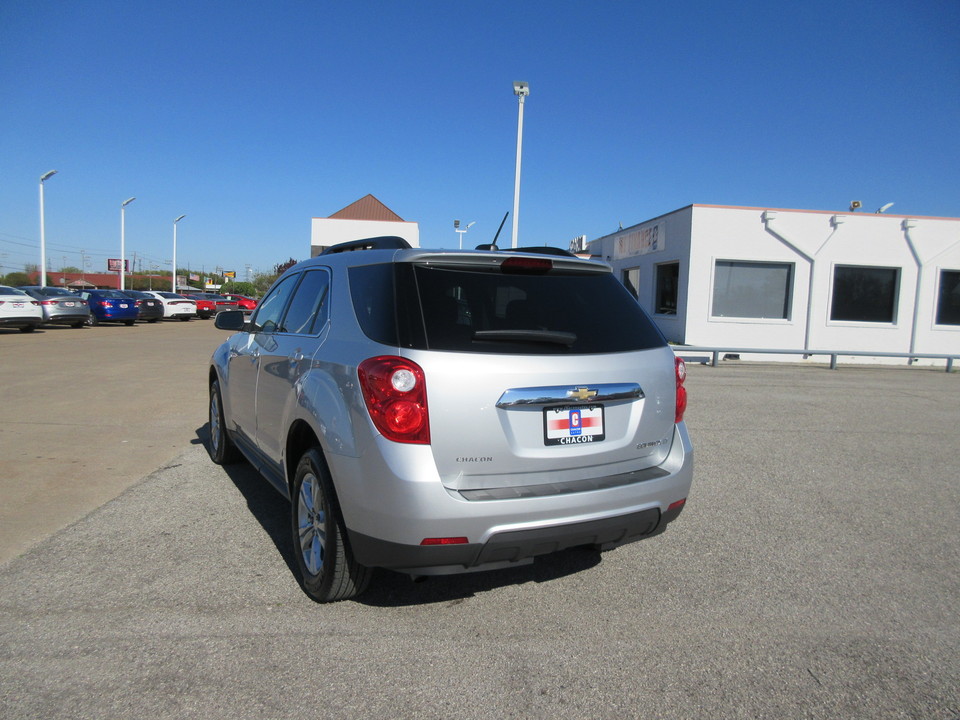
x,y
124,305
69,303
573,424
18,305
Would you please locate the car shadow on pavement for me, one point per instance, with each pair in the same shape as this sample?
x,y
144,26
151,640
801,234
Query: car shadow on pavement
x,y
388,588
391,589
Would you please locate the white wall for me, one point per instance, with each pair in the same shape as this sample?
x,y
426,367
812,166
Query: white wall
x,y
325,232
633,247
814,243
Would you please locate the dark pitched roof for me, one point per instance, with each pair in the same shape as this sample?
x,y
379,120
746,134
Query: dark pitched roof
x,y
367,208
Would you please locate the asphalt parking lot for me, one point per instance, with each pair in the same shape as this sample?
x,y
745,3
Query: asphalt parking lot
x,y
813,574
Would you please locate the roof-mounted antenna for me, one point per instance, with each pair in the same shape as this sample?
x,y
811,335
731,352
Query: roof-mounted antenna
x,y
494,243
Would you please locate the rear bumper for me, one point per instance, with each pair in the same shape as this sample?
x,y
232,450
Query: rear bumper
x,y
66,318
20,321
388,518
511,548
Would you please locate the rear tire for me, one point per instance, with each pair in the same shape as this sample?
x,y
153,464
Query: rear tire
x,y
28,328
128,323
328,571
221,448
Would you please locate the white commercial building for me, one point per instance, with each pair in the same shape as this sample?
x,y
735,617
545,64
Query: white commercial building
x,y
365,218
773,279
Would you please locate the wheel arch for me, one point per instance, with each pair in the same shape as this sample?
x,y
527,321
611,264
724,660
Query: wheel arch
x,y
300,438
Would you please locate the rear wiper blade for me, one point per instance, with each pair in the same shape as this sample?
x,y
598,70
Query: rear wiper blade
x,y
556,337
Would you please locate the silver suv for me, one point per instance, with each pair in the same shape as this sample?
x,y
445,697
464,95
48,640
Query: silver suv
x,y
436,412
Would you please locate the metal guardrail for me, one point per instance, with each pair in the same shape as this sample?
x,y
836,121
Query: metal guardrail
x,y
683,350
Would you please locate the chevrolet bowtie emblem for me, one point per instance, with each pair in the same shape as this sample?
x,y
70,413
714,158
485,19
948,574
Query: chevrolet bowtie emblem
x,y
581,393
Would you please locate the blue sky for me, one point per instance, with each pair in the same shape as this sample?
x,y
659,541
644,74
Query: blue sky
x,y
252,118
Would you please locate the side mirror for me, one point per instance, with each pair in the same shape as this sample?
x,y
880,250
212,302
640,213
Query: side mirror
x,y
230,320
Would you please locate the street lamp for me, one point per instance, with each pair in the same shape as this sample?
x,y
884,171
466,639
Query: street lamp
x,y
43,237
456,228
174,282
521,90
123,239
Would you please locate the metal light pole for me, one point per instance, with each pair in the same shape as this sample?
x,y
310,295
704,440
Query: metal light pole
x,y
43,237
123,240
174,282
521,90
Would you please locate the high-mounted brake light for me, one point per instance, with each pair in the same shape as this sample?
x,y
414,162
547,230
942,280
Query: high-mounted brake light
x,y
395,392
681,371
526,265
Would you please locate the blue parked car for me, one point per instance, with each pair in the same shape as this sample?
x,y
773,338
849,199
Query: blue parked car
x,y
110,306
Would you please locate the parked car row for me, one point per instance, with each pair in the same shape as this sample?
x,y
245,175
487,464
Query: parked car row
x,y
29,307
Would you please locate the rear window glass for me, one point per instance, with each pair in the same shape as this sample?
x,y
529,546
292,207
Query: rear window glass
x,y
452,309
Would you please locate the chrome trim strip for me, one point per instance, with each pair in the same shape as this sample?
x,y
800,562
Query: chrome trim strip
x,y
570,394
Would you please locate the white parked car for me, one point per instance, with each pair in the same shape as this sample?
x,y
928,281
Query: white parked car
x,y
19,310
176,305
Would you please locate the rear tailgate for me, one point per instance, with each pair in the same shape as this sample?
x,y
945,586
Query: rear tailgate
x,y
582,418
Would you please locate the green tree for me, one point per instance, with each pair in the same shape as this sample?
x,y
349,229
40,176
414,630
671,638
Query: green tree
x,y
17,278
239,288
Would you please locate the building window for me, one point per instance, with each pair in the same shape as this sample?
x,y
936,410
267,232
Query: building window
x,y
865,294
668,283
631,280
752,289
948,298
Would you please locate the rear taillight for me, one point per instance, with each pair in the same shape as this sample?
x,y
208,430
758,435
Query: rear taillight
x,y
395,392
49,302
681,370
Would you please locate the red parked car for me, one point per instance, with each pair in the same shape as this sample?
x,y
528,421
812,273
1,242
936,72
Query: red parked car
x,y
209,304
247,304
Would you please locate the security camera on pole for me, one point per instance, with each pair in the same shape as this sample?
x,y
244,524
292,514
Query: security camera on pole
x,y
460,231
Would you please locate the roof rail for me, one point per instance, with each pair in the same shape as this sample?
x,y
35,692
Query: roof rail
x,y
384,242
